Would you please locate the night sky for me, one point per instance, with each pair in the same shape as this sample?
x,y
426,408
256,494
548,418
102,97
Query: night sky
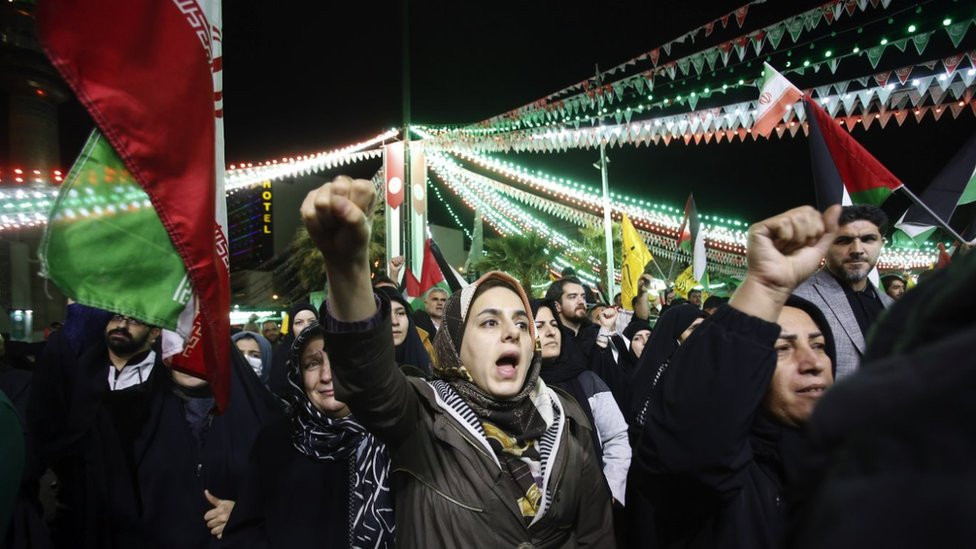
x,y
302,77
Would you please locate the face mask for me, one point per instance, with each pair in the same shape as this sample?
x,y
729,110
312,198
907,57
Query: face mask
x,y
255,363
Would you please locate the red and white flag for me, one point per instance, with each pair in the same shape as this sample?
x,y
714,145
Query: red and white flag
x,y
775,96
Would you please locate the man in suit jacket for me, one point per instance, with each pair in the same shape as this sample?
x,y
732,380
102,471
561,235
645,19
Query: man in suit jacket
x,y
841,289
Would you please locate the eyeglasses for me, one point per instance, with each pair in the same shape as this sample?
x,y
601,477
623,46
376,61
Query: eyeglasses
x,y
122,319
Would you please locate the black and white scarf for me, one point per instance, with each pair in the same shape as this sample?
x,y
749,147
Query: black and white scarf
x,y
322,438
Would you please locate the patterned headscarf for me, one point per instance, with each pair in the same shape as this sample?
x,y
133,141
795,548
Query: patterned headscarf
x,y
324,438
513,426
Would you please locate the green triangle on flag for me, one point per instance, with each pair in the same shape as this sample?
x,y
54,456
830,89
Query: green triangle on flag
x,y
874,55
957,31
921,41
774,34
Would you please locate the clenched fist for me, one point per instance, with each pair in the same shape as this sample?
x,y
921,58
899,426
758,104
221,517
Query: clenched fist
x,y
782,252
337,216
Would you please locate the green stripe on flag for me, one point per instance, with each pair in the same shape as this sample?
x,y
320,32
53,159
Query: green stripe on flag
x,y
105,246
873,196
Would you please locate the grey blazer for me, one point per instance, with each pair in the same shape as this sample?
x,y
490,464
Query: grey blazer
x,y
823,290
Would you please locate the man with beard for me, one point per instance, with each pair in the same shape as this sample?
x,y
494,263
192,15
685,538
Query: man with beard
x,y
129,343
842,291
569,297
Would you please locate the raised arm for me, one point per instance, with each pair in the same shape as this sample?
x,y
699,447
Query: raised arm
x,y
358,337
702,411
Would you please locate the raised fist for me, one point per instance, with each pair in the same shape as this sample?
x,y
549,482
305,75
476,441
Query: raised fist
x,y
337,216
786,249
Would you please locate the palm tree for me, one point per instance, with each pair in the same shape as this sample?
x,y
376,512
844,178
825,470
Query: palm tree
x,y
525,257
304,261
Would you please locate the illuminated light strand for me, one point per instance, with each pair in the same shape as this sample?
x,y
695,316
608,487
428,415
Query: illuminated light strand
x,y
540,107
450,210
735,117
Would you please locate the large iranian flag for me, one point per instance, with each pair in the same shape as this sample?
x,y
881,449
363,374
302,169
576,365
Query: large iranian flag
x,y
140,227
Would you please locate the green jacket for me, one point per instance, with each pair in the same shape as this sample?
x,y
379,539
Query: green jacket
x,y
446,481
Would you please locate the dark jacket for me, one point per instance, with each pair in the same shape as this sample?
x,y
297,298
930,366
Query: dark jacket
x,y
893,444
446,479
709,460
131,470
288,499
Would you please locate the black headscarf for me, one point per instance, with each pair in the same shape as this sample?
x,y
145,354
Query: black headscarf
x,y
412,351
324,438
278,380
564,370
661,345
635,325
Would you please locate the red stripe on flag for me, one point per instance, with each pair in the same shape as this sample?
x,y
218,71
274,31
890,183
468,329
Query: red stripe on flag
x,y
859,170
158,115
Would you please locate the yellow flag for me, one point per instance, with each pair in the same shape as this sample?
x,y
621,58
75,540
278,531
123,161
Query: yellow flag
x,y
685,282
635,256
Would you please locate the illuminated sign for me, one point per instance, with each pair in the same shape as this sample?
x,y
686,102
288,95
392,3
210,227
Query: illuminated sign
x,y
266,207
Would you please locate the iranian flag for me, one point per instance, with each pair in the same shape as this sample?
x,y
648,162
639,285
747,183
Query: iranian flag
x,y
844,172
140,226
776,95
954,186
691,238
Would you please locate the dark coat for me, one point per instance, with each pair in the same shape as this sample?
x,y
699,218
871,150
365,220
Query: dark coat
x,y
446,480
894,443
131,472
288,499
709,461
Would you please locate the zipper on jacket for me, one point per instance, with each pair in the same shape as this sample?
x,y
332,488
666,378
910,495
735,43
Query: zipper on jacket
x,y
438,492
476,446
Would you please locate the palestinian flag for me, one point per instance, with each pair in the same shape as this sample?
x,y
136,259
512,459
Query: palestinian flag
x,y
140,226
776,94
954,186
841,166
691,238
432,275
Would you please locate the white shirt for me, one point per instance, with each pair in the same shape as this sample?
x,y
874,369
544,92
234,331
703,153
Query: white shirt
x,y
132,374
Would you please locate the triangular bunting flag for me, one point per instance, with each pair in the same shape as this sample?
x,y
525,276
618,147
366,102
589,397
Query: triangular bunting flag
x,y
683,65
757,41
794,127
742,133
774,34
813,19
725,20
883,94
874,55
832,107
900,116
903,74
900,44
920,113
709,28
795,27
711,56
832,64
882,78
692,101
841,87
667,48
863,81
850,6
687,137
823,91
956,108
867,120
936,93
883,118
957,31
828,13
698,61
780,130
937,113
952,62
654,54
921,40
848,99
740,15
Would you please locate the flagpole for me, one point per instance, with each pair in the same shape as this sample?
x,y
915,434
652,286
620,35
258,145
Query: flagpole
x,y
945,226
607,228
659,270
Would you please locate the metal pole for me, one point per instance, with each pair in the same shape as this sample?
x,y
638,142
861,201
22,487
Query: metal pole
x,y
607,227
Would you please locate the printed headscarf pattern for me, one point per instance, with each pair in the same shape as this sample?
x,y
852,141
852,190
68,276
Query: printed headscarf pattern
x,y
323,438
513,426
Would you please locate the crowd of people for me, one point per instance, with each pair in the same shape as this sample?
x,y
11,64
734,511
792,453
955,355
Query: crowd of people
x,y
487,418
